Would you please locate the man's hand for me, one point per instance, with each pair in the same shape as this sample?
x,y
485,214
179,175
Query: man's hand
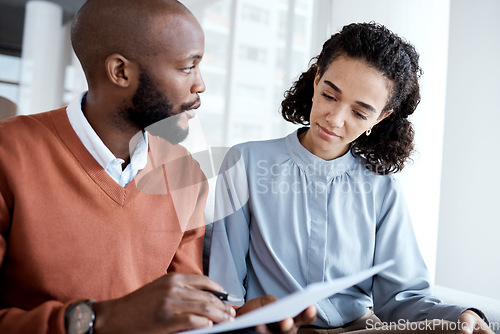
x,y
470,323
287,325
172,303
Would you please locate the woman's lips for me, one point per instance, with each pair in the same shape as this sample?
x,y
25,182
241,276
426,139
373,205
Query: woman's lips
x,y
327,135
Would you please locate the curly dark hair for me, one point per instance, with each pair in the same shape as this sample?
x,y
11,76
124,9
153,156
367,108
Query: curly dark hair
x,y
391,143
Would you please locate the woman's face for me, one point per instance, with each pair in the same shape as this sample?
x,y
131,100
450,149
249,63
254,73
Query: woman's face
x,y
348,100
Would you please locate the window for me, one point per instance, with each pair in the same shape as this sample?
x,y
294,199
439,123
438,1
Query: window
x,y
252,53
250,92
9,77
255,14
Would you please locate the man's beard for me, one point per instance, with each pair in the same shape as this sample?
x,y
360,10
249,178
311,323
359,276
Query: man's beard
x,y
152,111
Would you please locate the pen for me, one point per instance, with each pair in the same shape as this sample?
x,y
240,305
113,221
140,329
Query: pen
x,y
225,296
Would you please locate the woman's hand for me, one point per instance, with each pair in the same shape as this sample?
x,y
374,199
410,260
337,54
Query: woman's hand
x,y
470,322
287,325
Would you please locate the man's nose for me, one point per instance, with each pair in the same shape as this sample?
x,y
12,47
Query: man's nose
x,y
199,84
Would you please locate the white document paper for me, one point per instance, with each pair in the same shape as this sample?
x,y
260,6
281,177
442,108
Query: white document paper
x,y
293,304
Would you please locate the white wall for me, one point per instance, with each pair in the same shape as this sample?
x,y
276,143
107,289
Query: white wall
x,y
469,231
41,70
424,23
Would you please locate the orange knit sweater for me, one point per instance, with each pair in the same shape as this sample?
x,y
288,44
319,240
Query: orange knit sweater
x,y
69,232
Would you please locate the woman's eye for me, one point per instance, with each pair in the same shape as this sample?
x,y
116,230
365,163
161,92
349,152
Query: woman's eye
x,y
359,115
329,97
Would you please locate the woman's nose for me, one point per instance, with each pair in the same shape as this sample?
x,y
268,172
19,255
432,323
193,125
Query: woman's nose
x,y
336,117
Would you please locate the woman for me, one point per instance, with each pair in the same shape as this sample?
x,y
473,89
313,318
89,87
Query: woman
x,y
322,202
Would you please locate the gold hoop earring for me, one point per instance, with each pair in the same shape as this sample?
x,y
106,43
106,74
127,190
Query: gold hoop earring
x,y
368,132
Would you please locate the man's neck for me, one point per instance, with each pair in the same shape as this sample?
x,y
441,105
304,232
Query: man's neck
x,y
103,119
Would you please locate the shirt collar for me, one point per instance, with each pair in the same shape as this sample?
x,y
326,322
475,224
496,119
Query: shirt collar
x,y
94,144
139,150
313,165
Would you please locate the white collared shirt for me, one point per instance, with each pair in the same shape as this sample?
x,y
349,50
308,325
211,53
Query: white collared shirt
x,y
100,152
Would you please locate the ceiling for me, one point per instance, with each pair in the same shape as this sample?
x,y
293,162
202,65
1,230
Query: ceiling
x,y
12,21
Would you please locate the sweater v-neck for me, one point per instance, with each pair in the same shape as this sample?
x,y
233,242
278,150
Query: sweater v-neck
x,y
121,195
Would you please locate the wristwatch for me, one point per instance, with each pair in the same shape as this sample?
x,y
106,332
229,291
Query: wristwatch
x,y
80,317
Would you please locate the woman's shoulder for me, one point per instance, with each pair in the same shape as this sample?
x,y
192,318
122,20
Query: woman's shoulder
x,y
261,148
256,153
361,171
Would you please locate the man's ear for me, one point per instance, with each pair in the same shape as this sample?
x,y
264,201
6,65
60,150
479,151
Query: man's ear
x,y
120,71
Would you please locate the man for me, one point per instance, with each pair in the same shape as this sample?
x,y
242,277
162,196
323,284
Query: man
x,y
88,229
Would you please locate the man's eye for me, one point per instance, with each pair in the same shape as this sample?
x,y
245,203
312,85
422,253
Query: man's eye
x,y
188,70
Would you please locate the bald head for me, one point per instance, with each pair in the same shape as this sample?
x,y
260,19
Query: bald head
x,y
134,29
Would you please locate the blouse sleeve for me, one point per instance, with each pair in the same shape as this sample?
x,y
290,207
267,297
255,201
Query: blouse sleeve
x,y
230,234
402,292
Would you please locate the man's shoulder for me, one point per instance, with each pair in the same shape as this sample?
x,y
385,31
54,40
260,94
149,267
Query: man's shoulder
x,y
28,124
20,135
